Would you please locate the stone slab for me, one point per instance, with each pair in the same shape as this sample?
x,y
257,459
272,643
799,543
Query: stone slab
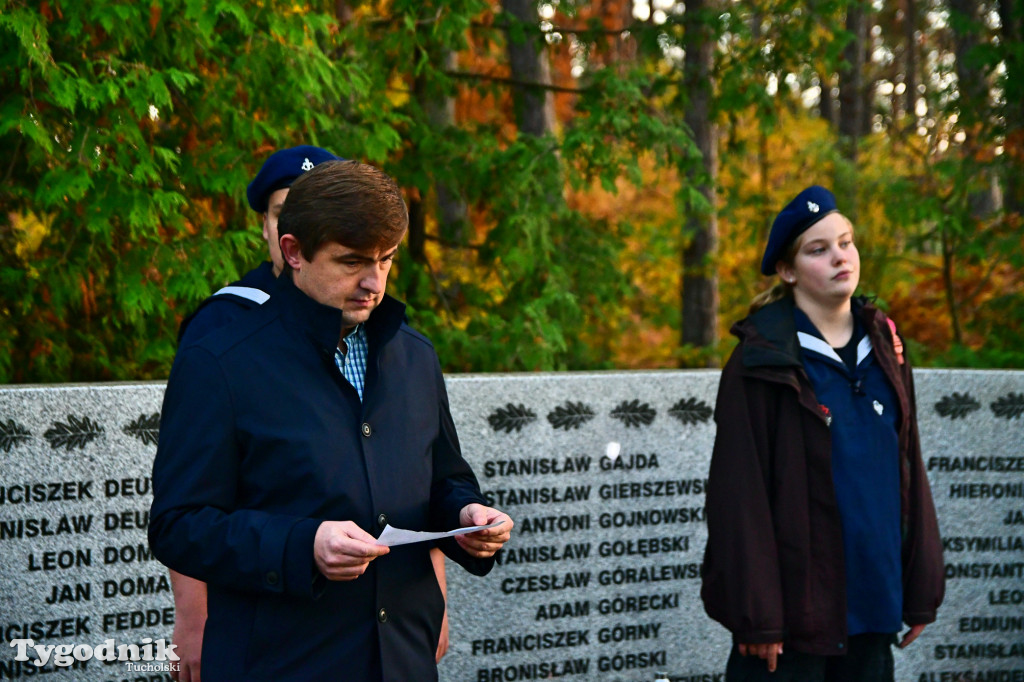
x,y
601,579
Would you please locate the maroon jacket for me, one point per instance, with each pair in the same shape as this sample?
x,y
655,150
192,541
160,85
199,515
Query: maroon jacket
x,y
774,569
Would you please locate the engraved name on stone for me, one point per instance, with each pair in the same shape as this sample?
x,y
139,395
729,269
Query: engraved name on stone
x,y
616,509
989,487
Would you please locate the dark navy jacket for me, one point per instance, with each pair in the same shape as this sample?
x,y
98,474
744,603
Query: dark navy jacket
x,y
865,472
227,304
261,440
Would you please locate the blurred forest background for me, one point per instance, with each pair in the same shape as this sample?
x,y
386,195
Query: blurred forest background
x,y
590,184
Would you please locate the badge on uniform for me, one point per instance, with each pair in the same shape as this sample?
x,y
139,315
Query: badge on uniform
x,y
879,408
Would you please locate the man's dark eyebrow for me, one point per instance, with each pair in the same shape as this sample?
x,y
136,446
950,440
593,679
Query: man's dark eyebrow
x,y
357,258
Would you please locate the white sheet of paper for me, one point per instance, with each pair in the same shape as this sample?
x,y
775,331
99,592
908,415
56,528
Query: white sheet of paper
x,y
392,536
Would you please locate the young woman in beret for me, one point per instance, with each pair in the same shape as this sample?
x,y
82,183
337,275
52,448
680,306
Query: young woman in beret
x,y
822,535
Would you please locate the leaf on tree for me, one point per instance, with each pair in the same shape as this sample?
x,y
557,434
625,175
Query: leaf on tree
x,y
957,405
691,411
511,418
570,416
77,433
1010,406
634,414
12,435
146,428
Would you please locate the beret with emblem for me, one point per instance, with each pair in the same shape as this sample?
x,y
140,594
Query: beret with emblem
x,y
810,206
281,169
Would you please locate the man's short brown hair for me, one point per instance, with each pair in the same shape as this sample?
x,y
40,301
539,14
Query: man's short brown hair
x,y
351,203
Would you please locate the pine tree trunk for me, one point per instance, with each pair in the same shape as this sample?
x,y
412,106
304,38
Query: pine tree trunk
x,y
972,87
851,80
1011,16
910,57
440,110
535,111
700,230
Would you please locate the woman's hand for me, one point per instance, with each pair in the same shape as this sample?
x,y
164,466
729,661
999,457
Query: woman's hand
x,y
769,652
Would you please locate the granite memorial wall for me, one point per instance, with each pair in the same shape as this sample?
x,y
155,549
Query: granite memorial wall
x,y
604,474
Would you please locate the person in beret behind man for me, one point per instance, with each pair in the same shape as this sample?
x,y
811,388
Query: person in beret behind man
x,y
834,545
266,195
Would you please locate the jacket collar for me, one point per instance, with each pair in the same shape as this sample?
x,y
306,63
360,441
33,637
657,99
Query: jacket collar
x,y
769,335
261,277
322,323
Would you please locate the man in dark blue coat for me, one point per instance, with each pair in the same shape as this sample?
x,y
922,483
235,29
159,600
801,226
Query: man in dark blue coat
x,y
266,194
290,436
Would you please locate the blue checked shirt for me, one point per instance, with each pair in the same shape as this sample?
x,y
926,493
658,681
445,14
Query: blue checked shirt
x,y
353,363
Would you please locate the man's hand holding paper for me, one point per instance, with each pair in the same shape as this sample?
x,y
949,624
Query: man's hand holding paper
x,y
487,541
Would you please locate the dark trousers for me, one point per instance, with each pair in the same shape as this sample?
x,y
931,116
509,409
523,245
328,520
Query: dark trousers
x,y
868,659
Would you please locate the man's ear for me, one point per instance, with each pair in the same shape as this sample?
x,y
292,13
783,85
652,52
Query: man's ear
x,y
291,251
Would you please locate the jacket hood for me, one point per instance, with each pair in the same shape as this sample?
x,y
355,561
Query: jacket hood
x,y
768,336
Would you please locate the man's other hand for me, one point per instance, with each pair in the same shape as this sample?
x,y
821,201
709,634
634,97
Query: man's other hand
x,y
343,550
484,543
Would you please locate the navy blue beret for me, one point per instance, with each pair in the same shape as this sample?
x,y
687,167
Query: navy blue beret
x,y
281,169
810,206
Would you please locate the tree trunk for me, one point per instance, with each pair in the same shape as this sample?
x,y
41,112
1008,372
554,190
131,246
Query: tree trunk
x,y
1011,16
535,111
826,104
851,80
343,11
971,84
910,57
949,286
700,230
972,87
440,110
867,111
417,230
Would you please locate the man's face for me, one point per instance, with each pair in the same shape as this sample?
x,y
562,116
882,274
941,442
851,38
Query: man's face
x,y
274,204
352,281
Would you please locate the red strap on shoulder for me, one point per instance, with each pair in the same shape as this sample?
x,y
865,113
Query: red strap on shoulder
x,y
897,343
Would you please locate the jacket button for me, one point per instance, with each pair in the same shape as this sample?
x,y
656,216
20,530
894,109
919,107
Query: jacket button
x,y
382,520
382,615
272,578
367,430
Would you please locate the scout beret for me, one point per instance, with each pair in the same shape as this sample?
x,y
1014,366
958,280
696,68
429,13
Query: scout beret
x,y
281,169
810,206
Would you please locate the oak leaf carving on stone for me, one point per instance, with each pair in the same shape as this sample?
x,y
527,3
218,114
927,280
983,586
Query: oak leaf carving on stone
x,y
511,418
77,433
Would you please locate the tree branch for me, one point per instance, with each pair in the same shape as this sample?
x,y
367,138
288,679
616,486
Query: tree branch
x,y
464,75
632,28
638,27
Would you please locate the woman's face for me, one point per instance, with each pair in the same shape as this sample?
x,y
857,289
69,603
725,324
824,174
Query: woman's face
x,y
826,267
